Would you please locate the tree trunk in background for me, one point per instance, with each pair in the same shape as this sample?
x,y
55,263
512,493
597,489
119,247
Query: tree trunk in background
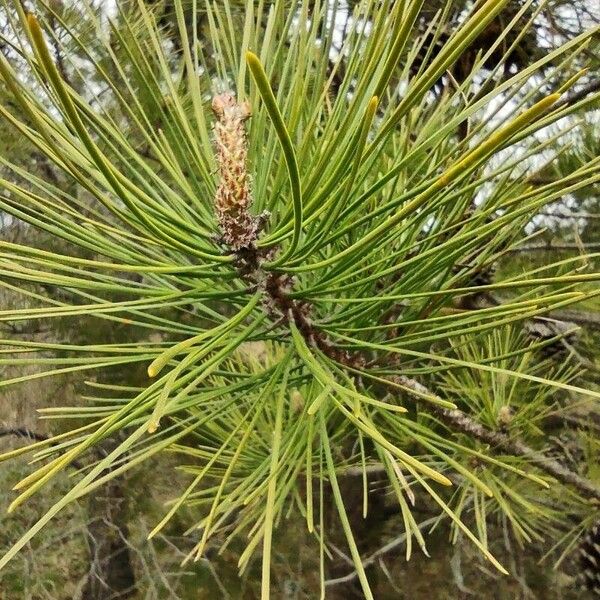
x,y
111,575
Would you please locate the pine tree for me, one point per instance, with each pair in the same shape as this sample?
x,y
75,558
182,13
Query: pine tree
x,y
303,239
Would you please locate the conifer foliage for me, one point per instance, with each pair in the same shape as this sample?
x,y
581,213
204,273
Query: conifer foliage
x,y
294,231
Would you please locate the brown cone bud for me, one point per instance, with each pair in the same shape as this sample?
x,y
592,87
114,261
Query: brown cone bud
x,y
239,228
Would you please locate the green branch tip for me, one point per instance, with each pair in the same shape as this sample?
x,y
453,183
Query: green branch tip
x,y
572,81
33,24
252,59
268,97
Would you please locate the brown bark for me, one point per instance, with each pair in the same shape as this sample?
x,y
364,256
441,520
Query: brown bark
x,y
459,421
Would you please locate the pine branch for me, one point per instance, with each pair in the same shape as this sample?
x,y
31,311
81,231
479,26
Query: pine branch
x,y
22,432
499,441
580,421
580,317
592,87
239,230
554,247
455,419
